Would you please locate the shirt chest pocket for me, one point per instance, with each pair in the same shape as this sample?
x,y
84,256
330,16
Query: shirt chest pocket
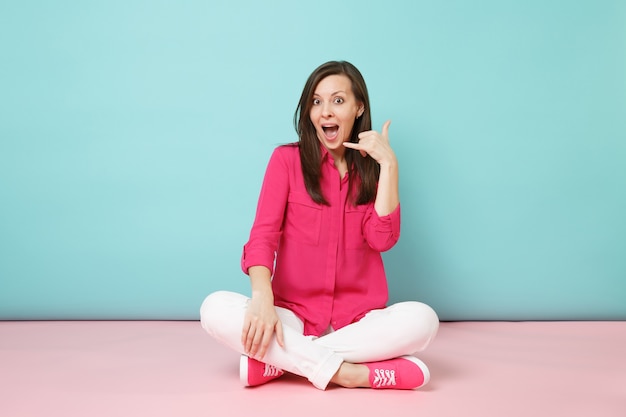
x,y
353,230
303,219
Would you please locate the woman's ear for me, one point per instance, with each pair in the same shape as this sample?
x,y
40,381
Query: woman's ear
x,y
361,111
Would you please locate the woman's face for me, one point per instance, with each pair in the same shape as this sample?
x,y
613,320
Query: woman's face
x,y
333,112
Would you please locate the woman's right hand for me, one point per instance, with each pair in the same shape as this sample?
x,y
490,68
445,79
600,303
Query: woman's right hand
x,y
261,321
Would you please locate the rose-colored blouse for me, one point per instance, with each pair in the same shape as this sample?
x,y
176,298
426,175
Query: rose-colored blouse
x,y
325,260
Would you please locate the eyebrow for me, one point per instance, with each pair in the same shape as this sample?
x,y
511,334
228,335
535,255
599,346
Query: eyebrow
x,y
333,94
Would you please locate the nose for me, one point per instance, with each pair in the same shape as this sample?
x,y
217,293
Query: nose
x,y
327,110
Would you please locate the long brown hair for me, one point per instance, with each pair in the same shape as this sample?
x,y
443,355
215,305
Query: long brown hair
x,y
366,169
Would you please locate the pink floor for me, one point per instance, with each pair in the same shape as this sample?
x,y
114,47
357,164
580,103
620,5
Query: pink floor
x,y
174,369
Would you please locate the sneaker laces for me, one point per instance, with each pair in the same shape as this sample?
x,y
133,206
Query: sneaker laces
x,y
271,370
384,378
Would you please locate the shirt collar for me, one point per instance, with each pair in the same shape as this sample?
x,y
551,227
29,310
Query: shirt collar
x,y
325,155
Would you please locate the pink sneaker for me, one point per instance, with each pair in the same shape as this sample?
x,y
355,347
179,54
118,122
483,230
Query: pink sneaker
x,y
253,372
405,372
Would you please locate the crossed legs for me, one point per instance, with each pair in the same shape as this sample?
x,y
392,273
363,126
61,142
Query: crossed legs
x,y
400,329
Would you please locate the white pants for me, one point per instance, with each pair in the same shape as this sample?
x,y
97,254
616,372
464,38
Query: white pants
x,y
400,329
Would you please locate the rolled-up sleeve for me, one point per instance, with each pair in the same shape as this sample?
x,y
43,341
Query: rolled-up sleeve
x,y
382,232
267,228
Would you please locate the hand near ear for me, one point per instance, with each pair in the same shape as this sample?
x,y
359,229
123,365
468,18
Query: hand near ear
x,y
375,145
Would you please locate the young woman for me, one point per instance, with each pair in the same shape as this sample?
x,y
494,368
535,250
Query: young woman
x,y
328,207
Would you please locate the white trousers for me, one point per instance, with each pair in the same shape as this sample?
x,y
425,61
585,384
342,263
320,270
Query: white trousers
x,y
400,329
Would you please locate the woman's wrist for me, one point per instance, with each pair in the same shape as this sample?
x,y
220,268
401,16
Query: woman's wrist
x,y
390,161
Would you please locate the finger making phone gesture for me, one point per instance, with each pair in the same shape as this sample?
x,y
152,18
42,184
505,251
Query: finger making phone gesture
x,y
375,144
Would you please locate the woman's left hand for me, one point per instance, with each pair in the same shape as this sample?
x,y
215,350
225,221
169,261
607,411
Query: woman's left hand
x,y
375,145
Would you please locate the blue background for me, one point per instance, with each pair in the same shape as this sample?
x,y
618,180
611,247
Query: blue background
x,y
134,136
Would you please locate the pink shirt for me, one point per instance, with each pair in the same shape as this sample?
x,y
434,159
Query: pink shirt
x,y
328,269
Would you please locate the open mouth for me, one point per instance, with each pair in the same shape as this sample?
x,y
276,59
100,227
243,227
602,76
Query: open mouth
x,y
330,131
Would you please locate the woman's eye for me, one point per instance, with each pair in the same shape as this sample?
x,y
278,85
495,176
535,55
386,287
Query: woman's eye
x,y
338,100
316,101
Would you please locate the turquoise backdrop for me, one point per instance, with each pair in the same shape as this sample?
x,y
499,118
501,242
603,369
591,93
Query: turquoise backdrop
x,y
134,136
